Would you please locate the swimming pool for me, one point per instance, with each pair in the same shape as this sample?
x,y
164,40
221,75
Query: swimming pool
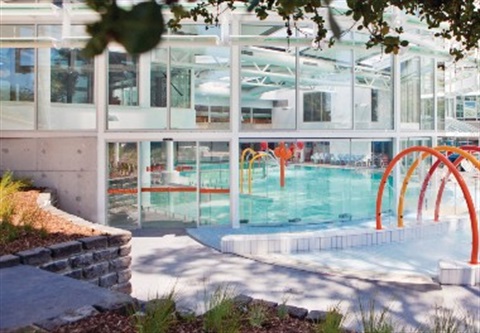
x,y
312,194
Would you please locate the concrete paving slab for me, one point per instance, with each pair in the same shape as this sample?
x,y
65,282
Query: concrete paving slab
x,y
30,295
160,264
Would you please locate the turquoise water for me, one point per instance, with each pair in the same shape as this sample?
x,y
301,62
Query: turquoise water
x,y
311,195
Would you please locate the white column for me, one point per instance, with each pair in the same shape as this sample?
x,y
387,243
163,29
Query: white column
x,y
101,110
235,111
396,125
44,89
170,174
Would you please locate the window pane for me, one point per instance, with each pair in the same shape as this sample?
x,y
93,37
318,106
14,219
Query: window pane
x,y
122,79
158,78
268,81
325,88
17,88
373,89
410,93
200,88
125,110
65,90
441,96
17,91
122,185
427,86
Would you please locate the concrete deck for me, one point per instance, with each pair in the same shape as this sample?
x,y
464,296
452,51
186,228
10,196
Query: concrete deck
x,y
170,261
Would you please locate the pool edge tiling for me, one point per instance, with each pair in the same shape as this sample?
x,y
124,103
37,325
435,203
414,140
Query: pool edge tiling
x,y
281,249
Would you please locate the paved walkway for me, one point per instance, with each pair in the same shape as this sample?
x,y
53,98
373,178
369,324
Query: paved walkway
x,y
31,296
165,262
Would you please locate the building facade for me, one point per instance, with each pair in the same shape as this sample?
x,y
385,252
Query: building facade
x,y
170,136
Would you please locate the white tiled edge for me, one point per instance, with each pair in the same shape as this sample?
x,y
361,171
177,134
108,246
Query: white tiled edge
x,y
457,273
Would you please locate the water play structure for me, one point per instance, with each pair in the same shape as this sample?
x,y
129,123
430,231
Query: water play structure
x,y
452,168
281,154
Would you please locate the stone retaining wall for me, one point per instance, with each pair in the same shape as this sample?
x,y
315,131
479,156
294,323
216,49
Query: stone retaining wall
x,y
101,260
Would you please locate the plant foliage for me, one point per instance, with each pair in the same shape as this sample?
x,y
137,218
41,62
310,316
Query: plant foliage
x,y
140,28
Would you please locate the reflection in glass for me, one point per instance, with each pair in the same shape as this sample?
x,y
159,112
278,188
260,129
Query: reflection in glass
x,y
122,79
158,78
440,96
17,88
325,91
214,183
410,93
427,91
200,87
168,184
373,90
71,77
122,185
268,82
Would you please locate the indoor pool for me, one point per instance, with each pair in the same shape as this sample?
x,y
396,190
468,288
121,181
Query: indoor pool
x,y
311,194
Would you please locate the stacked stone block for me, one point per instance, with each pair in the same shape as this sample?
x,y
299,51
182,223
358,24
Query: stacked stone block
x,y
101,260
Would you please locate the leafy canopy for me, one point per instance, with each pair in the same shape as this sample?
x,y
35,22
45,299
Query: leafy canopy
x,y
140,28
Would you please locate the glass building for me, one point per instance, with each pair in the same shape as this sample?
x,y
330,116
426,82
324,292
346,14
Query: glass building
x,y
177,135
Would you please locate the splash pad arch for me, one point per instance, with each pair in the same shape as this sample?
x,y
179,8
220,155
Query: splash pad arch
x,y
451,167
429,175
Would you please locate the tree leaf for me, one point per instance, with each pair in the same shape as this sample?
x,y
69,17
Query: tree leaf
x,y
141,28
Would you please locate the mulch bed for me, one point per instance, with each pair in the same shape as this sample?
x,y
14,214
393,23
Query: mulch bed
x,y
47,229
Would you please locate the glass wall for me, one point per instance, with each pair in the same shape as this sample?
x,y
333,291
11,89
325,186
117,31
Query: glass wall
x,y
416,180
123,92
441,96
175,184
410,93
373,90
200,88
325,89
268,81
65,84
214,180
17,81
427,84
122,191
169,184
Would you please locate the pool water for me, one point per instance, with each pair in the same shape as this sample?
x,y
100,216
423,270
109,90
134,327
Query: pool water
x,y
312,194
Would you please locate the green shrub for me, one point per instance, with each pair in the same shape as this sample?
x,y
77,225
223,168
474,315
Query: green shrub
x,y
450,321
375,321
222,314
332,323
8,187
159,315
257,314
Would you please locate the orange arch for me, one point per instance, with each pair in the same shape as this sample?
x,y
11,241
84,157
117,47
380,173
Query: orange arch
x,y
460,180
414,165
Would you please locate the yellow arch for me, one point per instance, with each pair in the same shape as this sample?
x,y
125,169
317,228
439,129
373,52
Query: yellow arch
x,y
250,165
242,159
415,164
